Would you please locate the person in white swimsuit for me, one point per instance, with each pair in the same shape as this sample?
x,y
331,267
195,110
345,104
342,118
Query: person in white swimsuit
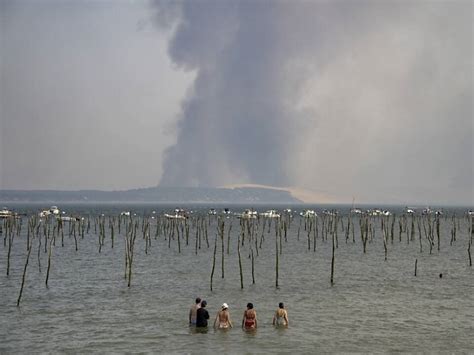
x,y
281,316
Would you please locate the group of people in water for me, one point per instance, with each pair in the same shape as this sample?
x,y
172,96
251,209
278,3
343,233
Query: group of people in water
x,y
199,316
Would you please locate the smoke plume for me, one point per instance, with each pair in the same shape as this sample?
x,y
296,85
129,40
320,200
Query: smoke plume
x,y
359,98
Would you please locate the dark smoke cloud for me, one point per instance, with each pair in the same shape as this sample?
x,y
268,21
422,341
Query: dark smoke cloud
x,y
233,121
360,98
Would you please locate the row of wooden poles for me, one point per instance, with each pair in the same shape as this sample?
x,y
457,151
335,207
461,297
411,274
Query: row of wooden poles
x,y
252,233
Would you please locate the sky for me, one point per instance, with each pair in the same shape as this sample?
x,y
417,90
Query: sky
x,y
364,100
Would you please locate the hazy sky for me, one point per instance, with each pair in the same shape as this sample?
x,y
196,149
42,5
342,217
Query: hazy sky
x,y
364,99
89,95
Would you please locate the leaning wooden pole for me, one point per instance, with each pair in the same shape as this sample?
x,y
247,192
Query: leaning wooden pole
x,y
49,260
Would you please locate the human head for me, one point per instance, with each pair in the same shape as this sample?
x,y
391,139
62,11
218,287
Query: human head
x,y
225,306
249,305
203,304
281,305
198,300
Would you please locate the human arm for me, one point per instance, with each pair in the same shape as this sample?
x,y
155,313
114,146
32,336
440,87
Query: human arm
x,y
286,318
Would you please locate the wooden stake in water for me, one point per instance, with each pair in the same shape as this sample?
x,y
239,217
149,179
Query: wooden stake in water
x,y
332,260
276,260
469,252
11,235
253,269
49,260
214,260
228,237
416,264
240,263
24,275
222,227
129,249
437,230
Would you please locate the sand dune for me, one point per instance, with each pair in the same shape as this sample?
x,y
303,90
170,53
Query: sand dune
x,y
305,195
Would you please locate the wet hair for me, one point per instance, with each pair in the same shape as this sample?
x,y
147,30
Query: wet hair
x,y
281,305
198,300
203,304
249,305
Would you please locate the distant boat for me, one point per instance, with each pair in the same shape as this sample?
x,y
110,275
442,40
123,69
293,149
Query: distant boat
x,y
330,213
179,213
174,216
69,219
427,211
52,210
374,212
270,214
248,214
308,213
6,213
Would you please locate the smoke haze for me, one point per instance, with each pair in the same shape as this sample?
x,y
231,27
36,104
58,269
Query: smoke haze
x,y
360,98
341,99
88,95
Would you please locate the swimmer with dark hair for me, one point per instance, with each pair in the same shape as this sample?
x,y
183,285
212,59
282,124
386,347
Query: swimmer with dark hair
x,y
249,321
281,316
193,311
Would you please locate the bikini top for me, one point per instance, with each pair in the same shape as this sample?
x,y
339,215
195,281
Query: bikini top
x,y
250,314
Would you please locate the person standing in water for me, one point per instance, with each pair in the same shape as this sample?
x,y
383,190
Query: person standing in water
x,y
281,316
223,318
193,311
249,320
202,315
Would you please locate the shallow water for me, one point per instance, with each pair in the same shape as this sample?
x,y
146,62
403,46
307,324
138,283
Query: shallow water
x,y
374,305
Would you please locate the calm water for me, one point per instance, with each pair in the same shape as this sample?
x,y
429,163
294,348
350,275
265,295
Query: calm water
x,y
374,306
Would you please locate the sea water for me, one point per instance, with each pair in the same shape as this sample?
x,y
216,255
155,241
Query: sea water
x,y
373,306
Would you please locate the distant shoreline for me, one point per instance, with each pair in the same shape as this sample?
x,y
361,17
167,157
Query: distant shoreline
x,y
170,195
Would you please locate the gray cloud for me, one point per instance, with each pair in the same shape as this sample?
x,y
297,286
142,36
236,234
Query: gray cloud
x,y
359,98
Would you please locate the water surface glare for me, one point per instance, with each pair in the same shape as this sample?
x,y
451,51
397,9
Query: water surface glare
x,y
374,305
